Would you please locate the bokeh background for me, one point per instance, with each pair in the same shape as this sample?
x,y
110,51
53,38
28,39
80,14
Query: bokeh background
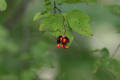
x,y
28,54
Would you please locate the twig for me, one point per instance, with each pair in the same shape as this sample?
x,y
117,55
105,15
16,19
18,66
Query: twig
x,y
54,9
116,51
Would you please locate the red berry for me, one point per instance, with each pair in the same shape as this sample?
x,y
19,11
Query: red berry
x,y
62,45
58,45
66,47
64,40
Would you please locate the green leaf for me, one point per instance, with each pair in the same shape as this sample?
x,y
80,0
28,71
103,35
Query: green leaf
x,y
78,21
3,5
52,23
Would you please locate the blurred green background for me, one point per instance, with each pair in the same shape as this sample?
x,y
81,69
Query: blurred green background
x,y
28,54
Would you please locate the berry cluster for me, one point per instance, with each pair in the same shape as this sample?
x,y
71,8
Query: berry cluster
x,y
62,41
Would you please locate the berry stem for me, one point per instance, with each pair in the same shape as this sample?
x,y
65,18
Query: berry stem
x,y
60,11
64,25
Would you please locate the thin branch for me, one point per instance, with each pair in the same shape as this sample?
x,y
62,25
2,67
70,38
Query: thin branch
x,y
116,51
54,9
